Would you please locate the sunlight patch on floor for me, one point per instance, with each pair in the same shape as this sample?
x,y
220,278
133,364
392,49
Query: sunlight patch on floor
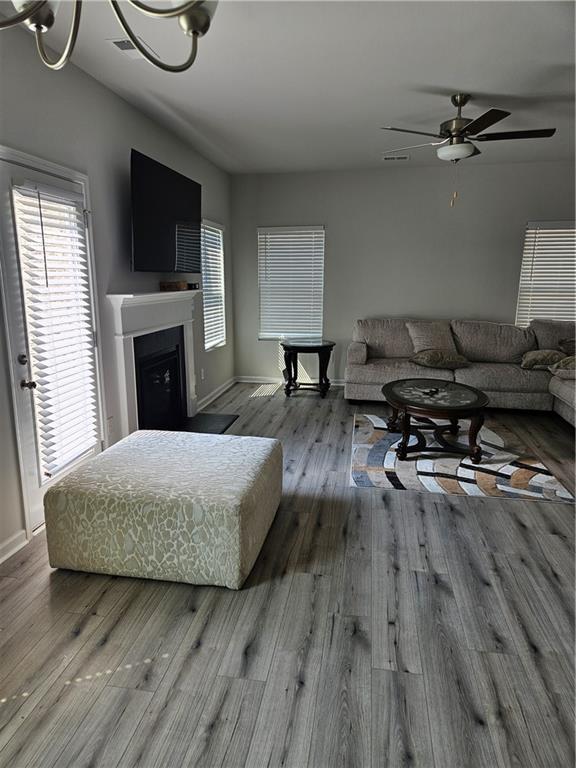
x,y
266,390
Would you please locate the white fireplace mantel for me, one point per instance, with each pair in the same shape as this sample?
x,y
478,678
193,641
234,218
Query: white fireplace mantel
x,y
136,314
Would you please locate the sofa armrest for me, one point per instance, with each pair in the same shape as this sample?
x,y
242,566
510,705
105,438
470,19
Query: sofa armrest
x,y
357,353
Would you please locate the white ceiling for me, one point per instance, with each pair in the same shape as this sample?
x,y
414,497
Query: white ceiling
x,y
284,86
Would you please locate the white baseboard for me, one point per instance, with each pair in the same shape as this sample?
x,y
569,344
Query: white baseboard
x,y
12,545
215,393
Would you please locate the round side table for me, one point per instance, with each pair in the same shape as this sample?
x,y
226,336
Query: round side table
x,y
291,348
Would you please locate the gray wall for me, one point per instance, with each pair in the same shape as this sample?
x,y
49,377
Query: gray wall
x,y
67,117
394,246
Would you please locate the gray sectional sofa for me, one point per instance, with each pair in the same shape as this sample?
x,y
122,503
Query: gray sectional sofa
x,y
382,348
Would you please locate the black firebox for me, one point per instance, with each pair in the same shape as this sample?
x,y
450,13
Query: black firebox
x,y
161,379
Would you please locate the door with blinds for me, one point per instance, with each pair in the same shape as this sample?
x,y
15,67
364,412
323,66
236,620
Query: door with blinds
x,y
48,300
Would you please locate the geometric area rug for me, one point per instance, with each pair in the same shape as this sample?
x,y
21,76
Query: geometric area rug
x,y
507,469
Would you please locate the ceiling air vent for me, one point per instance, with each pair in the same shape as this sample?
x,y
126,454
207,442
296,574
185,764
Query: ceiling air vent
x,y
396,158
128,48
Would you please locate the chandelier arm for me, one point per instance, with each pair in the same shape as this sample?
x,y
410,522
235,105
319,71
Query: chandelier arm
x,y
62,60
163,13
147,55
23,15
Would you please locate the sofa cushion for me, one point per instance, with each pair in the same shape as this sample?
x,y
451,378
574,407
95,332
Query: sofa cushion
x,y
541,359
356,354
502,377
431,335
565,369
564,390
385,337
440,358
549,333
382,371
486,342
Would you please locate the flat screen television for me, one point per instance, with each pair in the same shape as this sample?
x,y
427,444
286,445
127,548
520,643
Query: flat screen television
x,y
166,218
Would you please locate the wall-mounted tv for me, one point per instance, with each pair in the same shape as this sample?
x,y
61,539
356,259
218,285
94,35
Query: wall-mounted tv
x,y
166,218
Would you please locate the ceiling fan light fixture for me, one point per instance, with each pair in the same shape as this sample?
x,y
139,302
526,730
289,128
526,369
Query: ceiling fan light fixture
x,y
455,152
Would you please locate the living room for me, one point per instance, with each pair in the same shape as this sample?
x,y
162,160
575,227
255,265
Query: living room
x,y
402,591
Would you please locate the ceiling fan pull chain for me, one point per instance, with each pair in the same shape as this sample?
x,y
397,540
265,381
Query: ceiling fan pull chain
x,y
455,193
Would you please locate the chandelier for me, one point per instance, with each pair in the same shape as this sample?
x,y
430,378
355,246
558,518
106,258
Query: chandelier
x,y
194,18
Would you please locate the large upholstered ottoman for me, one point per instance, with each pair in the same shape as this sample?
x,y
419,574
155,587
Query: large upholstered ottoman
x,y
176,506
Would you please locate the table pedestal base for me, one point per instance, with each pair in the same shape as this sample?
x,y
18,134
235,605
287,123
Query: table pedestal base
x,y
291,372
399,421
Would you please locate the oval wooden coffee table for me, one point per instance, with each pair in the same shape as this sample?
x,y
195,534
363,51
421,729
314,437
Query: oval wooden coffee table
x,y
435,399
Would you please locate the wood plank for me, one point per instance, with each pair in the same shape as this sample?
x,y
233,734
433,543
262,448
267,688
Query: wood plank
x,y
534,631
165,730
342,720
423,533
106,730
395,643
478,595
521,717
457,717
249,653
29,688
146,660
400,732
283,729
223,735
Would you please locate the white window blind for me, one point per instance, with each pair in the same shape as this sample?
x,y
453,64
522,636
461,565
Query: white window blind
x,y
548,275
213,285
291,282
55,274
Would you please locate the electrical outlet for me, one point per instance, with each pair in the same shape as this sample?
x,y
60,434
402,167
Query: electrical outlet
x,y
201,374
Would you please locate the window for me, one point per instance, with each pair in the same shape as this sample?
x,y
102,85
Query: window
x,y
213,285
291,282
548,275
58,307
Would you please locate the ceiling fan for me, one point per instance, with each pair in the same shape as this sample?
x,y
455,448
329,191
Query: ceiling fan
x,y
456,135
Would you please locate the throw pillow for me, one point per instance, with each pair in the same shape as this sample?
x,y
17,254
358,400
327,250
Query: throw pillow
x,y
565,369
431,335
541,359
568,346
440,358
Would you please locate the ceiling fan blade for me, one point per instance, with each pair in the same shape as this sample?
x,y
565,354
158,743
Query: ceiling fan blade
x,y
485,121
476,152
542,133
416,146
405,130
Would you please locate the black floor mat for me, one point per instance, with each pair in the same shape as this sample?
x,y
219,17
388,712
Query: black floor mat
x,y
213,423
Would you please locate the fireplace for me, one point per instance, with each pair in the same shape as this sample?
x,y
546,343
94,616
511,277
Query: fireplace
x,y
155,361
160,379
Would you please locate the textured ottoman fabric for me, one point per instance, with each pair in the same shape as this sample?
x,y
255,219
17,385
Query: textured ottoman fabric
x,y
174,506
